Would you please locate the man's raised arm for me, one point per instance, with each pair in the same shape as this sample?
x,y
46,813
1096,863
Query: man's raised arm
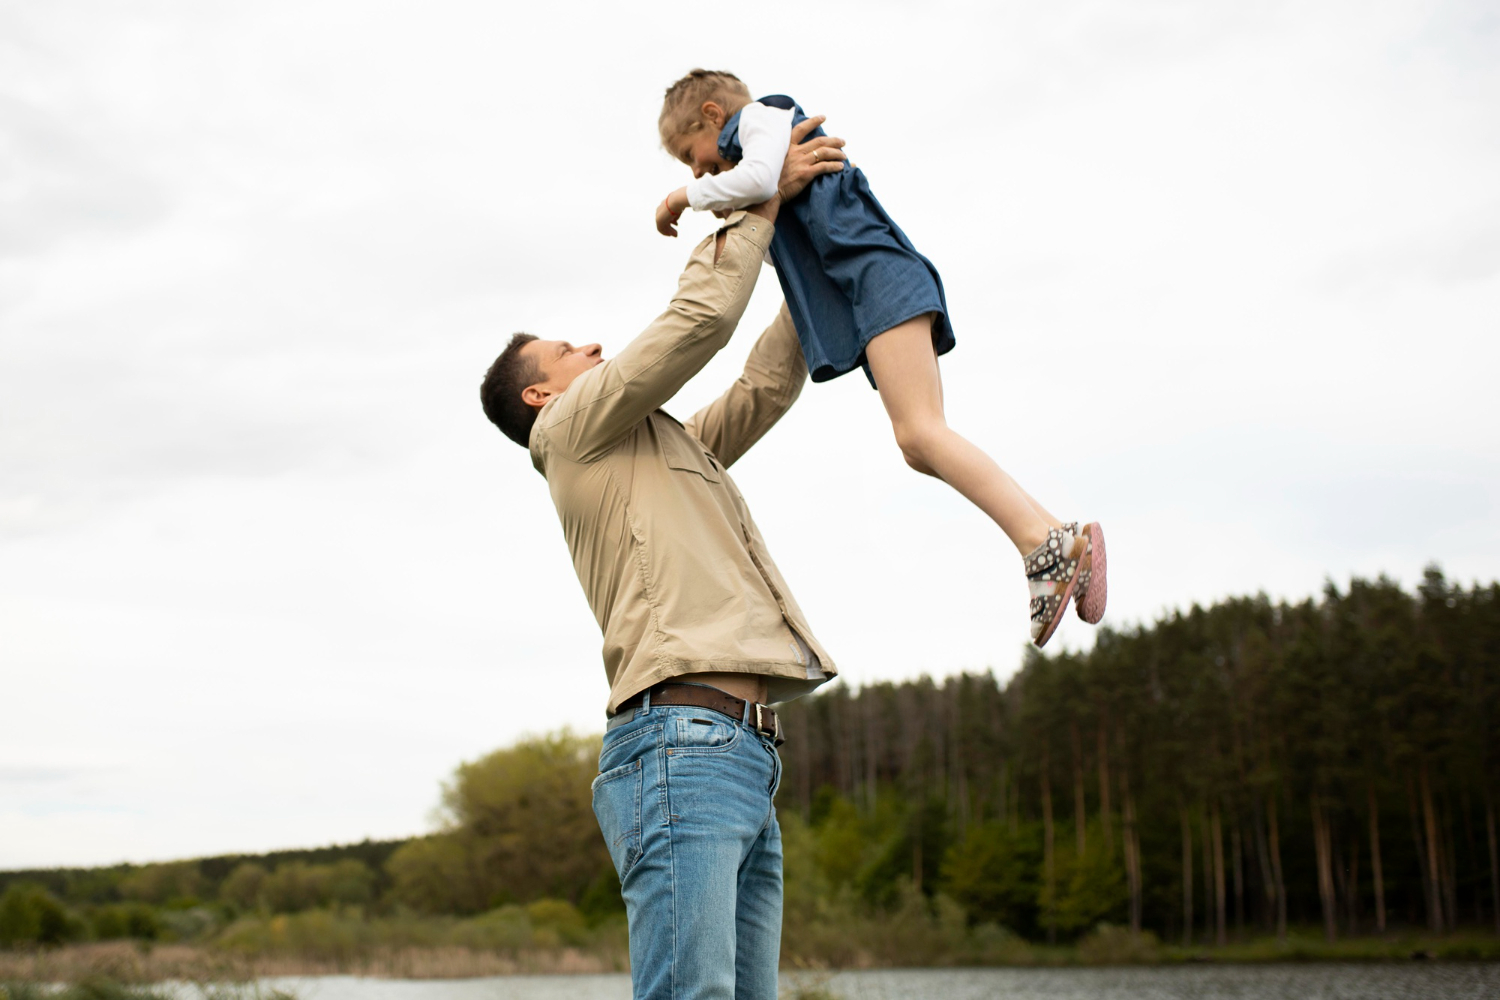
x,y
773,378
605,403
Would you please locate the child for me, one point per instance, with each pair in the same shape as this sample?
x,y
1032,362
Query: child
x,y
861,295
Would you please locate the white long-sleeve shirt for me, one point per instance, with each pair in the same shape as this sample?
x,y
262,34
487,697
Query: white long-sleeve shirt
x,y
765,136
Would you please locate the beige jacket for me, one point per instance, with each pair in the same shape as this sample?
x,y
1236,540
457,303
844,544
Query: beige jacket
x,y
668,555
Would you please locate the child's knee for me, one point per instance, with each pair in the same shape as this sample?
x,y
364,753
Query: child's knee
x,y
918,464
915,442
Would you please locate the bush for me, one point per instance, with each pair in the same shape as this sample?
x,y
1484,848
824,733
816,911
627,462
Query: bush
x,y
30,915
1091,887
189,924
125,920
505,928
159,884
296,886
1111,945
556,922
433,875
242,888
317,934
350,883
992,873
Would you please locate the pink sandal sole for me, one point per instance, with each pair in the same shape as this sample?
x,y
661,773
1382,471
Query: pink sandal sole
x,y
1062,609
1091,605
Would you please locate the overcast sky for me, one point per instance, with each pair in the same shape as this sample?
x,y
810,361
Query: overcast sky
x,y
266,573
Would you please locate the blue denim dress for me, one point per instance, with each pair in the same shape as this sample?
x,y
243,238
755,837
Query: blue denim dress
x,y
847,270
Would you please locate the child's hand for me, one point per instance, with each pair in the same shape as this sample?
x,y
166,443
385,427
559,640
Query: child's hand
x,y
670,210
666,219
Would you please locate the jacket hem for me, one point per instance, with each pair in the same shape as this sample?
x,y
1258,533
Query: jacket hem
x,y
670,669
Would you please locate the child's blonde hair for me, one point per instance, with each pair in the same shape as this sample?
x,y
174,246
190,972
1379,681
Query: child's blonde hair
x,y
680,113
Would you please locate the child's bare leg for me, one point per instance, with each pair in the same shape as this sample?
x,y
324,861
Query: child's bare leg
x,y
906,371
1041,511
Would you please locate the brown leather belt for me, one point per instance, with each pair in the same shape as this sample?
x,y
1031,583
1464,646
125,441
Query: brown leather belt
x,y
763,720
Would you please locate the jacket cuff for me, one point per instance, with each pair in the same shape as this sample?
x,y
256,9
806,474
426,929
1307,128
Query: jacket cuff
x,y
757,229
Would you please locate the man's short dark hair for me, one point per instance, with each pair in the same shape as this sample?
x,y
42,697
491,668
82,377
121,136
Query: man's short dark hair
x,y
500,393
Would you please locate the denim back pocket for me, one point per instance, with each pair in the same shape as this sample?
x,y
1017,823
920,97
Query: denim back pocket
x,y
706,733
630,741
617,807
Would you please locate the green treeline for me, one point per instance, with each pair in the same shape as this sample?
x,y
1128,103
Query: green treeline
x,y
1224,771
1220,775
519,866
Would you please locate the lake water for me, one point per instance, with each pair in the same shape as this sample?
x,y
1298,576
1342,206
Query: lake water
x,y
1476,981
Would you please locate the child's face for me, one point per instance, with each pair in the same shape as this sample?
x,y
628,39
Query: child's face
x,y
700,151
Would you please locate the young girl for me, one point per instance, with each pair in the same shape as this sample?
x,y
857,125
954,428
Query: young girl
x,y
861,296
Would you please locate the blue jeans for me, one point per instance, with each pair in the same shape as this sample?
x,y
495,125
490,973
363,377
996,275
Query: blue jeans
x,y
684,800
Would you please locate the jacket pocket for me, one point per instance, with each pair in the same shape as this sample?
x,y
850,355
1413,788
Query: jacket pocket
x,y
617,807
684,455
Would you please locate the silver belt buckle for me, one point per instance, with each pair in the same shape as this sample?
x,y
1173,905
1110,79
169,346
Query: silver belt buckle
x,y
760,726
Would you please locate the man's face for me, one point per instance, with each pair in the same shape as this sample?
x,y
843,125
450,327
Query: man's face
x,y
559,363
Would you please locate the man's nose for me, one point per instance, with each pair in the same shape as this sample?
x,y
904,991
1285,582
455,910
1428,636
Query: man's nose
x,y
698,172
593,350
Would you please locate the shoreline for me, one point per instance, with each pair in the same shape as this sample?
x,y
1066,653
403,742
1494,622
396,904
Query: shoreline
x,y
128,962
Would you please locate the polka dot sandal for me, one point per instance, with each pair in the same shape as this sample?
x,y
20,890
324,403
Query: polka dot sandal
x,y
1093,586
1052,576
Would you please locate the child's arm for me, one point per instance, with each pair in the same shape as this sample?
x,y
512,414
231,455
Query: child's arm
x,y
765,136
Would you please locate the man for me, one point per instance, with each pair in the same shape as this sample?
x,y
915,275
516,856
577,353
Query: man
x,y
700,631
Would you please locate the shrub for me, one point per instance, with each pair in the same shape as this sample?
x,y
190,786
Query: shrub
x,y
992,872
433,875
189,924
350,883
1111,945
30,915
555,922
296,886
505,928
242,887
125,920
161,884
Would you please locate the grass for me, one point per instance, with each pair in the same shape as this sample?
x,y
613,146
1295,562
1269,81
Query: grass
x,y
1309,946
104,988
121,962
227,970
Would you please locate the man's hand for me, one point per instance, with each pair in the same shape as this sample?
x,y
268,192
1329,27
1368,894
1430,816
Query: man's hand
x,y
822,155
804,161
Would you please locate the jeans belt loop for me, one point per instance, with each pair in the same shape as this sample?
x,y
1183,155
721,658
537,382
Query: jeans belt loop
x,y
645,702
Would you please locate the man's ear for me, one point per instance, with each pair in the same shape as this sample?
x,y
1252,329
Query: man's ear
x,y
714,112
535,396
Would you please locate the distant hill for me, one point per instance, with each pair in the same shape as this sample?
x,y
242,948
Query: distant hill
x,y
101,884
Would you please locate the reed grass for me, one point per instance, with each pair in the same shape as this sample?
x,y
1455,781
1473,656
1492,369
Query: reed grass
x,y
845,941
105,988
